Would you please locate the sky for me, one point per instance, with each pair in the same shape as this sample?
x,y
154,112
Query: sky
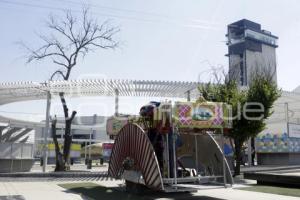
x,y
159,40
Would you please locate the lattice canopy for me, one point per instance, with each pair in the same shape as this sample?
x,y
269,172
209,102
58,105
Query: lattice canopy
x,y
23,91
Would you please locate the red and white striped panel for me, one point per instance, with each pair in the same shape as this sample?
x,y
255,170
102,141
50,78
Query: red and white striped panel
x,y
133,142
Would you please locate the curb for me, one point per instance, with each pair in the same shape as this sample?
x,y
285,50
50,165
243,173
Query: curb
x,y
271,169
53,175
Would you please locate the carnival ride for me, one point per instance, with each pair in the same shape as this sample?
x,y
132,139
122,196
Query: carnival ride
x,y
171,148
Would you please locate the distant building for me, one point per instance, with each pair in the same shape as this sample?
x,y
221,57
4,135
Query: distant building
x,y
250,50
279,143
80,136
253,50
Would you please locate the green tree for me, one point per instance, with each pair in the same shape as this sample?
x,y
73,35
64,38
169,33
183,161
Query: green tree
x,y
250,108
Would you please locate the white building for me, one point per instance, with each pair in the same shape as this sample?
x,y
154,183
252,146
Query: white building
x,y
80,136
279,143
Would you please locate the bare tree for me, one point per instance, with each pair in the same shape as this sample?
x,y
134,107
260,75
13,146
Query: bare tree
x,y
69,40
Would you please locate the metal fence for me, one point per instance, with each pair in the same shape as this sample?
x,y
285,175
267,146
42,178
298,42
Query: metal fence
x,y
16,157
16,151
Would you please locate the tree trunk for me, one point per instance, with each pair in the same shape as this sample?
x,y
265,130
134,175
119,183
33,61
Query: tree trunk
x,y
63,160
253,151
238,156
232,147
59,163
68,140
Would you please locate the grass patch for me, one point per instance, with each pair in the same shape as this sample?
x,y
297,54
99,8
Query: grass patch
x,y
273,190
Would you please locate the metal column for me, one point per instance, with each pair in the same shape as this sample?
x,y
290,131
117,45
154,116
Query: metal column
x,y
85,150
11,158
168,154
188,97
174,159
22,146
90,146
196,153
46,132
62,134
93,133
224,159
116,102
286,105
249,153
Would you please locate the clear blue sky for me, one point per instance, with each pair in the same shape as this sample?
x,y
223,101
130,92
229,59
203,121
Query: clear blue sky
x,y
161,39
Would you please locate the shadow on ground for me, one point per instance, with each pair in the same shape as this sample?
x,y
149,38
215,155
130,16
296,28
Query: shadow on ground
x,y
12,197
94,192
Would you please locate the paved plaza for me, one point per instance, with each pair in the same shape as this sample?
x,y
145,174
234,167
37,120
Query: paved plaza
x,y
47,188
51,190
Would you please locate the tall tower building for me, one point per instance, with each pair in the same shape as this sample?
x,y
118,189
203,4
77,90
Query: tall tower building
x,y
250,50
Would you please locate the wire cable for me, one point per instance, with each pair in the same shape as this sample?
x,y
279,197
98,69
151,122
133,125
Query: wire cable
x,y
155,21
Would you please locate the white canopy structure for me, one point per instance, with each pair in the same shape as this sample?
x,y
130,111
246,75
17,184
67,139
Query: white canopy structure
x,y
23,91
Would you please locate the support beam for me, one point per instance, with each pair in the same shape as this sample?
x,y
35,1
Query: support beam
x,y
46,132
224,158
62,134
196,154
174,159
249,152
116,102
85,150
168,155
90,146
188,97
286,108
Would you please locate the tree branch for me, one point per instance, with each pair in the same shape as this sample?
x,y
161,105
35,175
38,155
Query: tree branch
x,y
57,72
53,24
79,37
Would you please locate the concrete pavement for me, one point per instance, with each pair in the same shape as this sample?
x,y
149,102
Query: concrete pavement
x,y
48,189
35,191
234,194
51,191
